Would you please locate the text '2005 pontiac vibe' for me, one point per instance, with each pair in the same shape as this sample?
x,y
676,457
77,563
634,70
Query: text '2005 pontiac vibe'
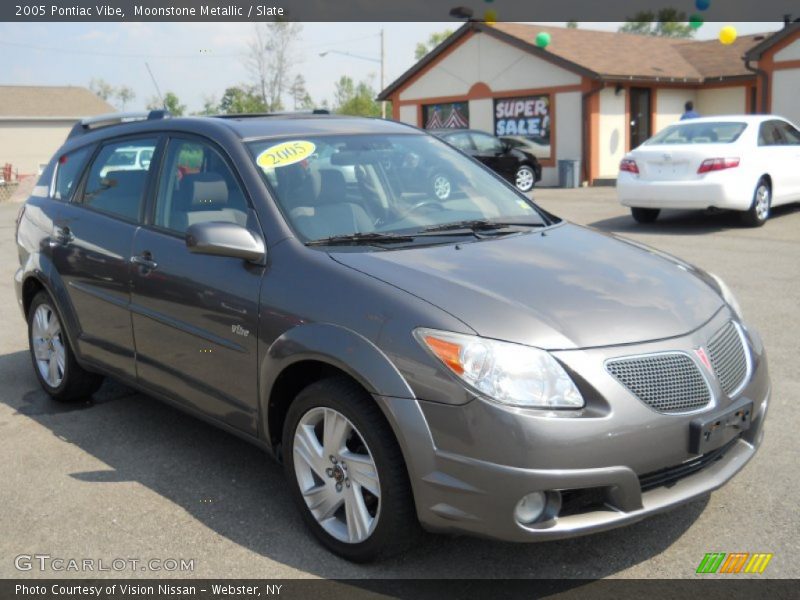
x,y
470,364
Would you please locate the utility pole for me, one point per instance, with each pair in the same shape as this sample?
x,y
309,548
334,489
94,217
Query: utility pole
x,y
383,76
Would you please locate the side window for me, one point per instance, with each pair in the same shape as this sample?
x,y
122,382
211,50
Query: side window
x,y
769,134
791,135
67,172
197,186
116,181
460,141
487,143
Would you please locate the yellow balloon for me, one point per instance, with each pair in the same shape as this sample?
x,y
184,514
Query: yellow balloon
x,y
727,35
490,16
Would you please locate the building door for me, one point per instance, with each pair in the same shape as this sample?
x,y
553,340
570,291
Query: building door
x,y
641,123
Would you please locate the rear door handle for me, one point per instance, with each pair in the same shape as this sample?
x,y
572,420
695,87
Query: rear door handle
x,y
145,259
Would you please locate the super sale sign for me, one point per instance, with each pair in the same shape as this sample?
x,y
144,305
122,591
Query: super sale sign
x,y
528,116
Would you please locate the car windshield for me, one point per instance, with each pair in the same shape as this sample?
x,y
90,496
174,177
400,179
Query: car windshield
x,y
722,132
368,186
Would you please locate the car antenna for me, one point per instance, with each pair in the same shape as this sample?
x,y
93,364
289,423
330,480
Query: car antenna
x,y
155,83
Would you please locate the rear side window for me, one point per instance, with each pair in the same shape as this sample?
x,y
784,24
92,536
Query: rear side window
x,y
197,186
68,171
117,178
460,141
722,132
791,135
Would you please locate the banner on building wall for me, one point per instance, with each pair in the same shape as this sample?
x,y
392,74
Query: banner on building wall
x,y
525,117
451,115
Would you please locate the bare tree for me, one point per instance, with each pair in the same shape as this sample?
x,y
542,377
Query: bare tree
x,y
270,59
101,88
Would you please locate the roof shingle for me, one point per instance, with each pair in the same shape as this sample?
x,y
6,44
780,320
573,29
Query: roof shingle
x,y
32,101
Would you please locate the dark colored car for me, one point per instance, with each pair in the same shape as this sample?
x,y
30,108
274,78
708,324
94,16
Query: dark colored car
x,y
472,364
515,164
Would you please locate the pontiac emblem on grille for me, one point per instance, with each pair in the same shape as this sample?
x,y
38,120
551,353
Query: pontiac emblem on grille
x,y
701,354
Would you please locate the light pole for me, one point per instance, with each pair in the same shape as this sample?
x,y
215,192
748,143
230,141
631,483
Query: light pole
x,y
381,60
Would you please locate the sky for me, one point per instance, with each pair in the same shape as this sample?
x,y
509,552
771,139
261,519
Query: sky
x,y
198,61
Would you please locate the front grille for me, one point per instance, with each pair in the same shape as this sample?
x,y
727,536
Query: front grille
x,y
727,355
670,475
669,382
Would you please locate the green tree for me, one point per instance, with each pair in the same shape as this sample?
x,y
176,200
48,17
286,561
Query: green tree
x,y
358,99
300,96
668,22
434,40
240,100
572,24
171,103
101,88
124,94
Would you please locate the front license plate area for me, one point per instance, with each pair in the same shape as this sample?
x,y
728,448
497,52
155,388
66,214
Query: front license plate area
x,y
709,432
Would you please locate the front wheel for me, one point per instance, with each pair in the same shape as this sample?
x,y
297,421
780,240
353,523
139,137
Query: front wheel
x,y
525,179
645,215
759,210
346,472
441,186
54,363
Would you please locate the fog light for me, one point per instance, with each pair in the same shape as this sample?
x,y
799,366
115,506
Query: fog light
x,y
530,508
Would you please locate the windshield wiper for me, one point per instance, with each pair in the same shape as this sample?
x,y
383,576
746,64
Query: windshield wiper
x,y
475,226
361,238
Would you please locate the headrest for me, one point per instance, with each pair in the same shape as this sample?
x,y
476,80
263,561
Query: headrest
x,y
204,190
333,188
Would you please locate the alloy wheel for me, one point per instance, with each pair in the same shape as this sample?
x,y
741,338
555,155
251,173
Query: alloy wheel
x,y
48,345
525,179
441,187
762,202
337,475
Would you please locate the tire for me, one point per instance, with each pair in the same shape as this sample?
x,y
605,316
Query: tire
x,y
390,525
759,210
645,215
441,186
525,178
54,362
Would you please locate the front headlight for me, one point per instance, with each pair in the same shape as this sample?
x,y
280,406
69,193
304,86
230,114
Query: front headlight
x,y
507,373
727,296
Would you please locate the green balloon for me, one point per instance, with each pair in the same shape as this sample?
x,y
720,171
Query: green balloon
x,y
695,21
543,39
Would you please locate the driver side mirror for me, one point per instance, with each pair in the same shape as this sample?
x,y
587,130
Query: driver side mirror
x,y
225,239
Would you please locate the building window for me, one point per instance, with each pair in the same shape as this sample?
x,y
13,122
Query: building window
x,y
451,115
526,119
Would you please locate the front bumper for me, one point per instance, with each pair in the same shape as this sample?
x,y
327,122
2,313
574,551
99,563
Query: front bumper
x,y
471,464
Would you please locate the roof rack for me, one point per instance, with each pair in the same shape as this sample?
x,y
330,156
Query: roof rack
x,y
283,113
91,123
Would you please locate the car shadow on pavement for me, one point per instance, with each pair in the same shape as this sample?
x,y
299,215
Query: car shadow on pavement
x,y
234,489
684,222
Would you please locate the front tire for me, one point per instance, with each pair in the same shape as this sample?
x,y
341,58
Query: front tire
x,y
54,362
346,472
759,210
645,215
525,179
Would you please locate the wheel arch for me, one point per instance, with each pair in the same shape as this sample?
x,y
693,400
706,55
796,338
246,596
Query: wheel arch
x,y
308,353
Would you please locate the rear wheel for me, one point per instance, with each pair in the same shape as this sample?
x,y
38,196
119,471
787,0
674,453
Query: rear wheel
x,y
759,210
525,178
54,363
346,472
645,215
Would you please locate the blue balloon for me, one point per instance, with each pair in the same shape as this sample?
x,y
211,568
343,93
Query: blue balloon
x,y
702,4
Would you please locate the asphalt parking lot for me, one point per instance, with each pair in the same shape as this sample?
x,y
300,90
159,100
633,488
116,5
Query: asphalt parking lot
x,y
124,476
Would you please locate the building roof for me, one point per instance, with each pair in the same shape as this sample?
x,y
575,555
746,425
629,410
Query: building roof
x,y
791,29
49,102
614,56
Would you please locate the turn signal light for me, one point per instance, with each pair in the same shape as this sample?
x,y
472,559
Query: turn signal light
x,y
629,165
717,164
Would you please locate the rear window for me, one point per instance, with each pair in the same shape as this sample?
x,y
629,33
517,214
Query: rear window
x,y
722,132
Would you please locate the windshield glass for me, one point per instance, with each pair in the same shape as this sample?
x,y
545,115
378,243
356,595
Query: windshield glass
x,y
723,132
342,185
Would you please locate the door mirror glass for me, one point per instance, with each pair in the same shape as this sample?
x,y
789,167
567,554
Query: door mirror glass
x,y
225,239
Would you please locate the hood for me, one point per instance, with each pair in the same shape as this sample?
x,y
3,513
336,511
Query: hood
x,y
561,288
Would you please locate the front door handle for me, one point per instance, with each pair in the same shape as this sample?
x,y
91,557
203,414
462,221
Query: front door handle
x,y
61,236
145,260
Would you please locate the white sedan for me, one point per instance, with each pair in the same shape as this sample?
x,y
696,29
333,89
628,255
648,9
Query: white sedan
x,y
745,163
